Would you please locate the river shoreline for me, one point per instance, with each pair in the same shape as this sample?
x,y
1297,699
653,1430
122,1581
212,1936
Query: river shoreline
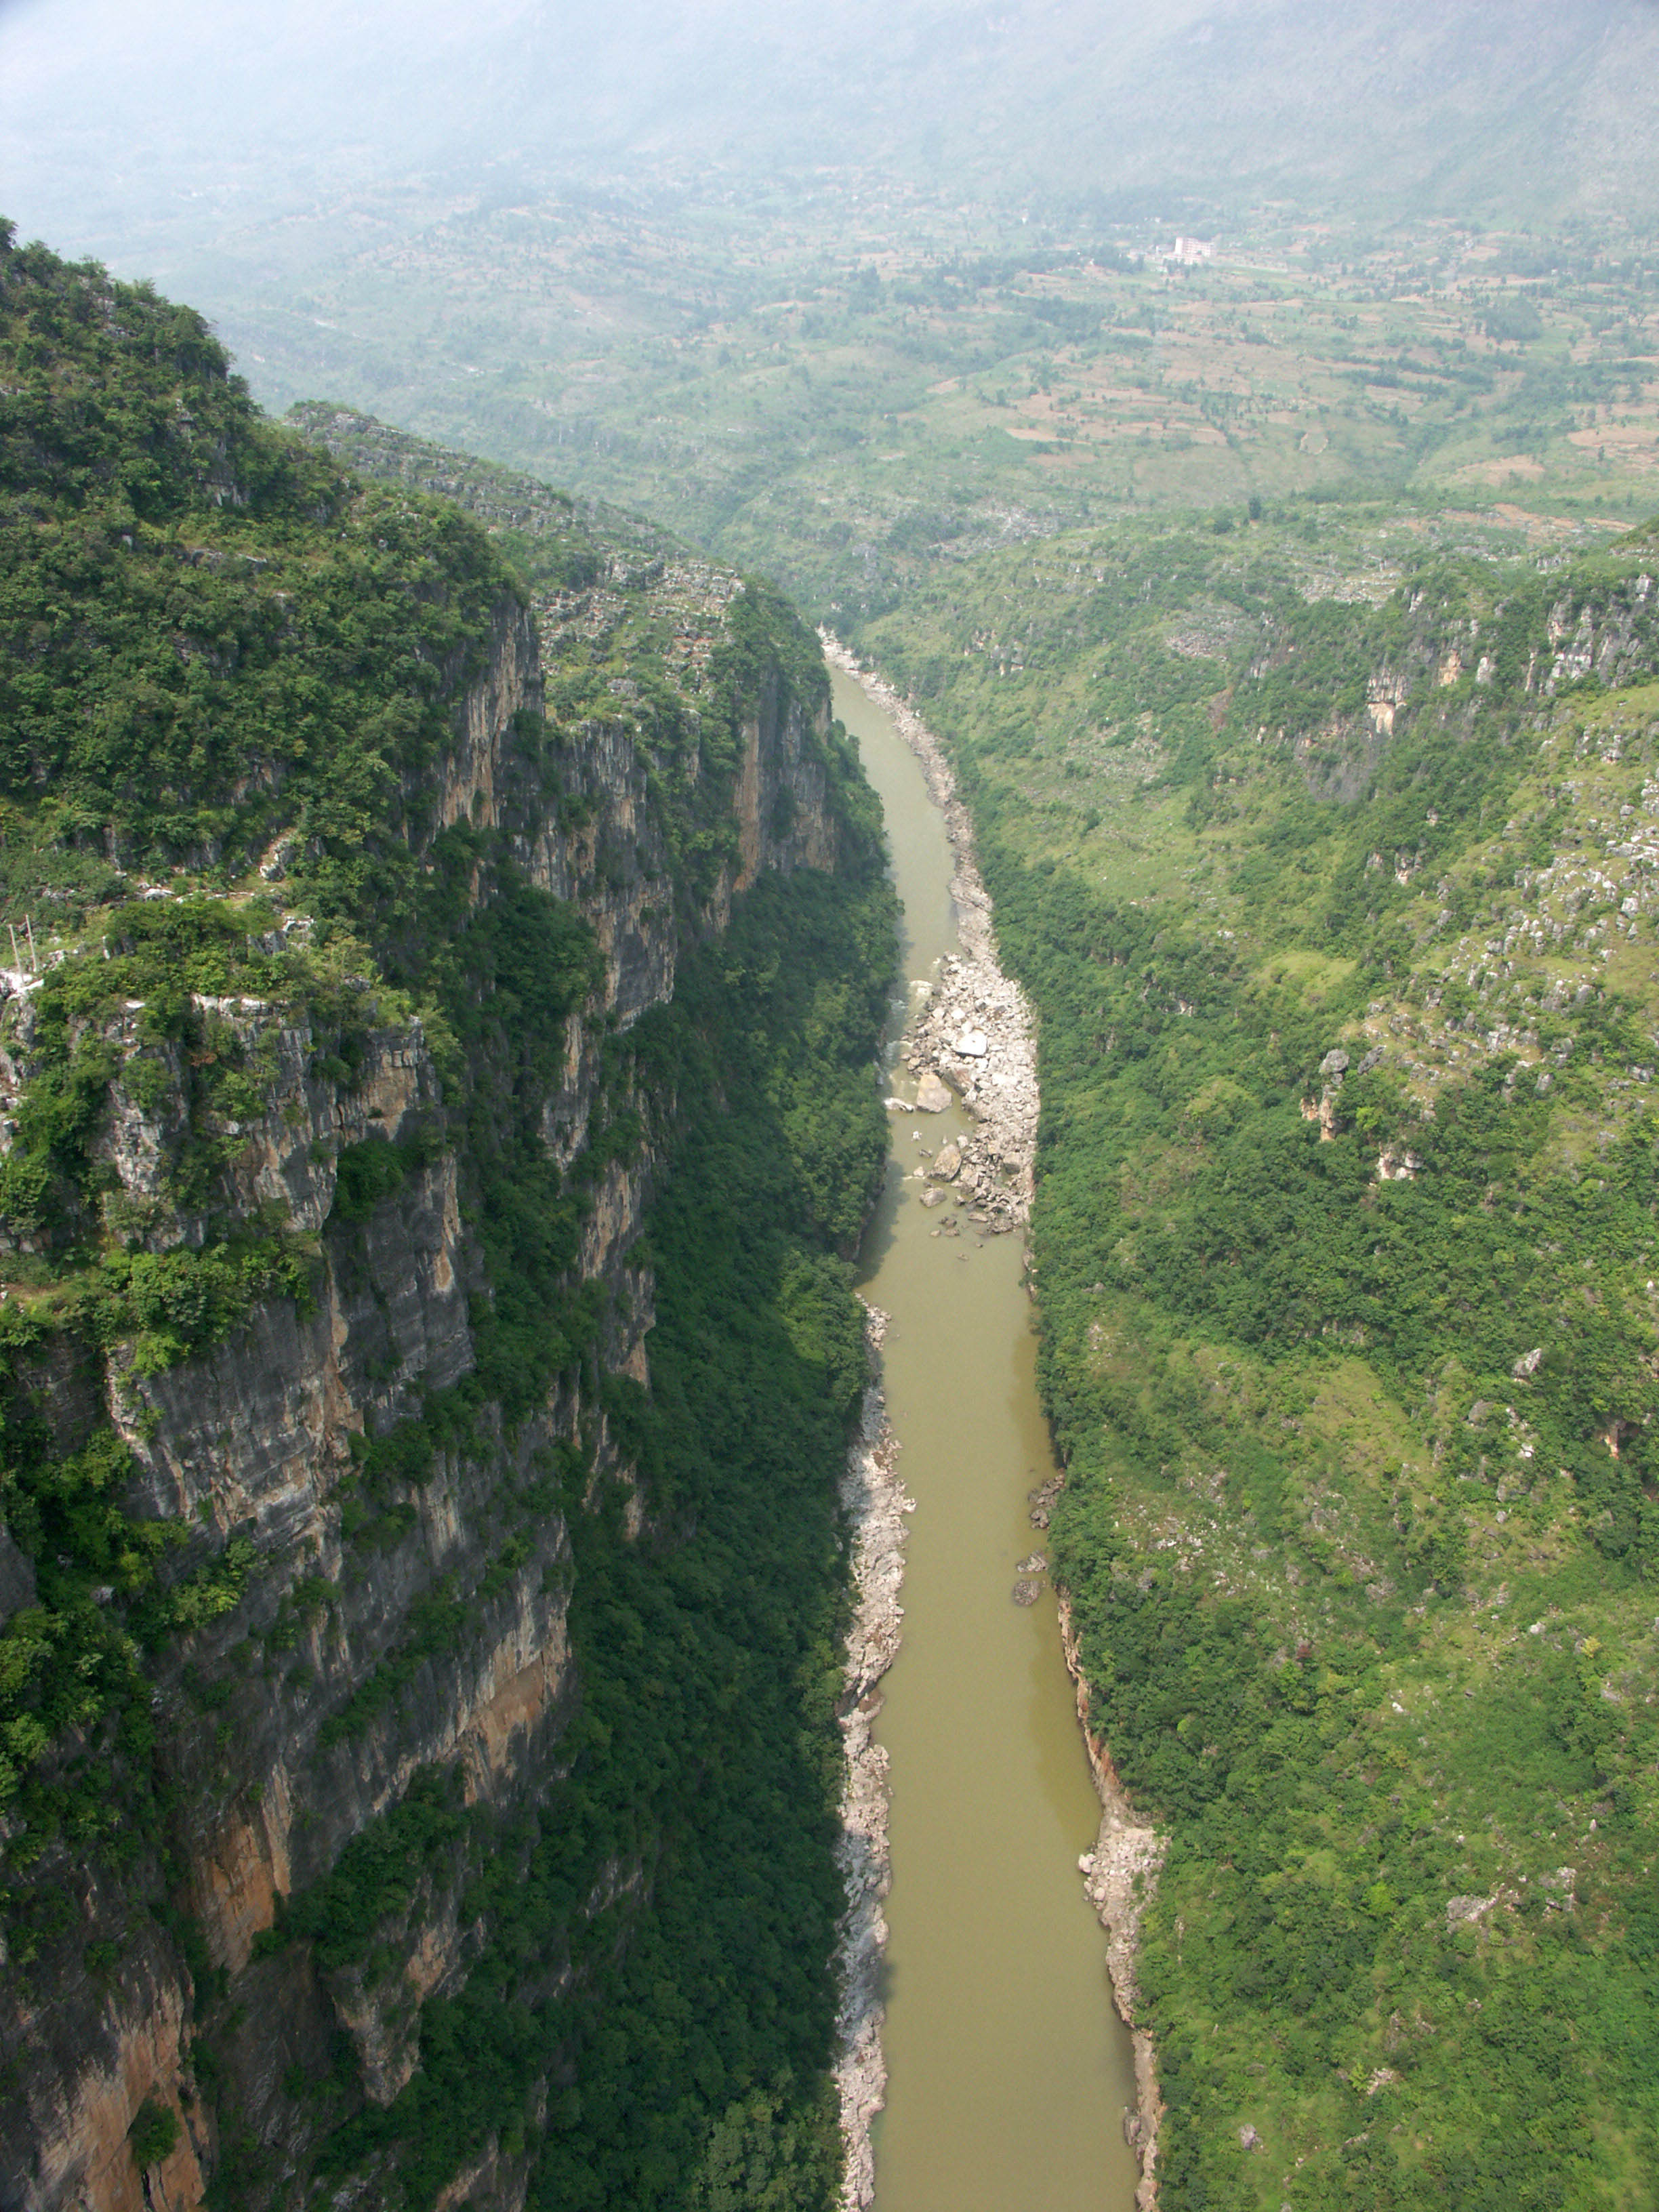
x,y
974,1034
975,1004
874,1500
1119,1875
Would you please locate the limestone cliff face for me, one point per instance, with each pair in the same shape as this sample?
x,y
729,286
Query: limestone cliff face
x,y
1439,663
276,1732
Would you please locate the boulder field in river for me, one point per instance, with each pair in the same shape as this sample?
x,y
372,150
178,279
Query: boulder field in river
x,y
973,1037
998,1084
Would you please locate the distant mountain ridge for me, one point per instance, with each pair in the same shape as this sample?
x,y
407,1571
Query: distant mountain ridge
x,y
1530,113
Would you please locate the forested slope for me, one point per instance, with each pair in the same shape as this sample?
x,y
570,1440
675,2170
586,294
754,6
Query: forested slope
x,y
1338,906
437,1094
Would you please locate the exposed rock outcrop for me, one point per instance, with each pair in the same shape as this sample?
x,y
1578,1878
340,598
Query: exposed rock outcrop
x,y
1120,1875
974,1037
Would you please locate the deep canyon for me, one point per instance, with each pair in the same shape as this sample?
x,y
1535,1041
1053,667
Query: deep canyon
x,y
435,1148
556,1373
432,1140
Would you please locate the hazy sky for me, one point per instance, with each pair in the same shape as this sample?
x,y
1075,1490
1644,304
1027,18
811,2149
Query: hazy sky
x,y
123,127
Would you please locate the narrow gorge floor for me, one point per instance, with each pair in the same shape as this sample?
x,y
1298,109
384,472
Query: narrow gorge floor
x,y
1008,2069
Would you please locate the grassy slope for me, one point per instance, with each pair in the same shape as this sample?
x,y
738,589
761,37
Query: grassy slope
x,y
1367,1612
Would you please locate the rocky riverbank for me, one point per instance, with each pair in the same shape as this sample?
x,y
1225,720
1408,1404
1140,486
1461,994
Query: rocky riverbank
x,y
874,1496
1120,1875
974,1038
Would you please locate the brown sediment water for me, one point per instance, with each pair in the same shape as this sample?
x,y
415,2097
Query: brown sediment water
x,y
1009,2072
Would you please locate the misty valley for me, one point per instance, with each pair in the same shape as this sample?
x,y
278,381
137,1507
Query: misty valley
x,y
829,1189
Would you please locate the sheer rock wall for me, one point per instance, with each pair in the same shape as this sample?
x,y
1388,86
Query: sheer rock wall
x,y
255,1438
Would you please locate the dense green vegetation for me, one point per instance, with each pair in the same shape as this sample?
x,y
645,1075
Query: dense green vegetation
x,y
704,1763
1362,1604
208,635
1351,1368
218,648
1359,1526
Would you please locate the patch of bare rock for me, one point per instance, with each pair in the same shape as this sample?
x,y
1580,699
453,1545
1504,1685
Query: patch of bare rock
x,y
972,1040
1120,1875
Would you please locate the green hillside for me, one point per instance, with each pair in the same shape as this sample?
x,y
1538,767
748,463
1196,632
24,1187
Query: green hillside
x,y
1335,896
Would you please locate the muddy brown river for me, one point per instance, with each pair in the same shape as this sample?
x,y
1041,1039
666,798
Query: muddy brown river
x,y
1009,2070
